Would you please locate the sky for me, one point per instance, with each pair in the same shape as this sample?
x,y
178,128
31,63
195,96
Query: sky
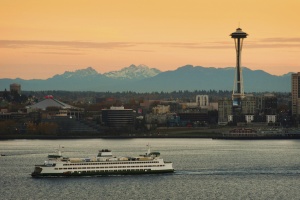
x,y
40,38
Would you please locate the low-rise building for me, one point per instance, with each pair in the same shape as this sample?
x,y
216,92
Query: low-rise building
x,y
161,109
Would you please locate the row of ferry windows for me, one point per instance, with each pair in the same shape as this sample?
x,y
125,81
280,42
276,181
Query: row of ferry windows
x,y
109,167
92,163
119,170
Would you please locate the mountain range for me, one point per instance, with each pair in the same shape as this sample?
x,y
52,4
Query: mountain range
x,y
144,79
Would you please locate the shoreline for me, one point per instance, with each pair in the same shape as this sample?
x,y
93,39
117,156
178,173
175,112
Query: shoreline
x,y
216,137
14,137
161,133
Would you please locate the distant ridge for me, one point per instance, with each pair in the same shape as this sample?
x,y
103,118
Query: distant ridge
x,y
141,78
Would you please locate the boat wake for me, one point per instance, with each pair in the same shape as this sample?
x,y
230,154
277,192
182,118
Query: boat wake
x,y
287,172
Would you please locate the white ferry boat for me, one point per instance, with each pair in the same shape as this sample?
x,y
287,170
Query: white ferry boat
x,y
104,164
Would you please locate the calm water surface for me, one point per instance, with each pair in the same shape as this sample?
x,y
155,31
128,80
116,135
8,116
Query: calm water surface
x,y
205,169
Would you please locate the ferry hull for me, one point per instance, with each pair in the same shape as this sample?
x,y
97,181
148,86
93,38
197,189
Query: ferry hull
x,y
77,174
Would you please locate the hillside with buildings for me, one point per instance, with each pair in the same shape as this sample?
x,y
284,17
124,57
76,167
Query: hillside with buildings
x,y
199,113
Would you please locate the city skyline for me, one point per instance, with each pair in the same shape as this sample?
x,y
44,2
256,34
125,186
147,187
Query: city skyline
x,y
39,40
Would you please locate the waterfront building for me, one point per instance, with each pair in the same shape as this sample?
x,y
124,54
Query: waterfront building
x,y
193,116
202,100
296,94
225,111
161,109
266,104
249,118
51,107
154,120
49,101
248,106
270,118
118,117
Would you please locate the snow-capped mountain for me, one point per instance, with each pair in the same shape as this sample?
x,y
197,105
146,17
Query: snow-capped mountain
x,y
133,72
80,73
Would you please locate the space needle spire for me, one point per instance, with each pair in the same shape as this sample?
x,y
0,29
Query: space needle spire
x,y
238,88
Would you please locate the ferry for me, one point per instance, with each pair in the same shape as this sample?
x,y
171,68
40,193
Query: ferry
x,y
104,164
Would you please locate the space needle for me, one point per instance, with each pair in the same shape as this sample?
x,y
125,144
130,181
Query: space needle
x,y
238,88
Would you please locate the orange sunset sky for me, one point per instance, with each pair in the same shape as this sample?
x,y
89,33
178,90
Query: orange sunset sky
x,y
39,39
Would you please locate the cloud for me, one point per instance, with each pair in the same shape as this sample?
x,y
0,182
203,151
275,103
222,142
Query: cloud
x,y
281,40
73,45
130,46
263,43
213,45
277,45
59,53
62,44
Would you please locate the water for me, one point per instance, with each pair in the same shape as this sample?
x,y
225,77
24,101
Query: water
x,y
205,169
